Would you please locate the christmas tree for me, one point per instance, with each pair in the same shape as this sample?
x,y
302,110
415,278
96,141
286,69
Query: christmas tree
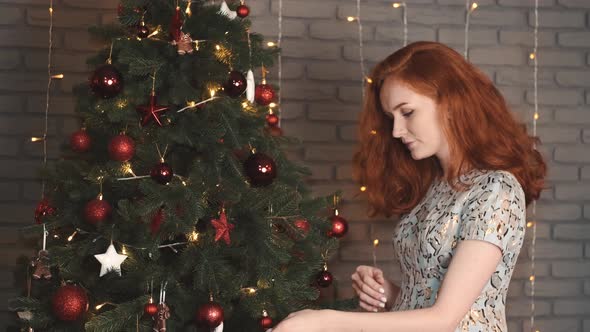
x,y
174,206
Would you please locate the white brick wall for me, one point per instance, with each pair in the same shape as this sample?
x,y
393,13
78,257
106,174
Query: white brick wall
x,y
322,99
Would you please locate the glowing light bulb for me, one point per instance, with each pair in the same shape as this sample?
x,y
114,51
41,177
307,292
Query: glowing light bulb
x,y
350,19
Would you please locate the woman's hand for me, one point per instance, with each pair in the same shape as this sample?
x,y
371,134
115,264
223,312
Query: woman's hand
x,y
373,289
304,320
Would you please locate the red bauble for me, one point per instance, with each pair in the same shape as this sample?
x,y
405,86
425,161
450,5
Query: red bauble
x,y
275,131
157,221
69,303
236,84
162,173
324,278
142,31
43,209
121,148
97,211
150,308
210,315
242,11
80,141
106,81
272,120
260,169
264,94
265,322
339,227
303,225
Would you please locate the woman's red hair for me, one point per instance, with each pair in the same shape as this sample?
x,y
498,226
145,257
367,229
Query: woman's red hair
x,y
481,132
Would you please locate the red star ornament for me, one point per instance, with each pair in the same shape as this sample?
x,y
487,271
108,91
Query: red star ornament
x,y
222,228
151,111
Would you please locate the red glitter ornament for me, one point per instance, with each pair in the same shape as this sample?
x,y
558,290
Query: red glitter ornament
x,y
43,209
121,148
69,303
264,94
80,141
97,211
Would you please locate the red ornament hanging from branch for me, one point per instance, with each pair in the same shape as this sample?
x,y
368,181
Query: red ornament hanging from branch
x,y
176,25
222,227
151,112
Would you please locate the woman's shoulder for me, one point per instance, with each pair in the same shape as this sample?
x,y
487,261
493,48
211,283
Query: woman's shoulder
x,y
502,180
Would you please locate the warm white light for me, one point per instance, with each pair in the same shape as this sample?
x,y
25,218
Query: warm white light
x,y
375,242
58,76
36,139
363,188
71,237
271,44
271,105
474,6
350,19
396,5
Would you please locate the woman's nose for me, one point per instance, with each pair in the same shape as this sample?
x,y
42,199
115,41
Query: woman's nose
x,y
399,129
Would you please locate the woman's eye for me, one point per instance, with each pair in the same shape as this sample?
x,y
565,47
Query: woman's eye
x,y
407,114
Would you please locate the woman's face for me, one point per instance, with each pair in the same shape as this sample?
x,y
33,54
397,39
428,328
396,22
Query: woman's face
x,y
415,120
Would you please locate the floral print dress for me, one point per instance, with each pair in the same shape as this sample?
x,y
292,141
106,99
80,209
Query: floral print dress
x,y
493,210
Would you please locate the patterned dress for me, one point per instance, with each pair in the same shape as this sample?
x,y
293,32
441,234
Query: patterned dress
x,y
492,210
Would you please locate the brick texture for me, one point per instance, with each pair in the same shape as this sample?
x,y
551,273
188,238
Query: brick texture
x,y
321,103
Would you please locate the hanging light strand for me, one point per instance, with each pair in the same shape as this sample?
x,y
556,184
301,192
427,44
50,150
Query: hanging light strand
x,y
47,94
280,61
535,118
403,7
469,8
361,50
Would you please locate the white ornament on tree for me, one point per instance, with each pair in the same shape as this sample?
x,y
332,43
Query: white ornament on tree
x,y
110,261
219,328
250,86
224,10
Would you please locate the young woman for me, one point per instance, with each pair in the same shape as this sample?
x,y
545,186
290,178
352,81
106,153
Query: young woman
x,y
439,147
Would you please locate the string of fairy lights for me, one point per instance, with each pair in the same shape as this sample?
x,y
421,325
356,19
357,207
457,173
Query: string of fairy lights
x,y
533,224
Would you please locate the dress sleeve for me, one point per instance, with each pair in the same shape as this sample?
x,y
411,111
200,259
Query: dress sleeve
x,y
495,212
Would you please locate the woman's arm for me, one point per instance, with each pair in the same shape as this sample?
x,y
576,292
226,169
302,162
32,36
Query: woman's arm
x,y
471,268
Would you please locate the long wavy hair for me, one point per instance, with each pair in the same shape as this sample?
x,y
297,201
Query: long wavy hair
x,y
480,130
